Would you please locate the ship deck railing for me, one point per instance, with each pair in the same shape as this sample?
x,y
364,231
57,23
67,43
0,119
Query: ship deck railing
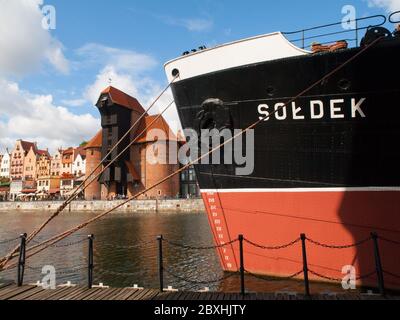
x,y
348,29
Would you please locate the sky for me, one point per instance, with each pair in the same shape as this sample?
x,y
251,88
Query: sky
x,y
50,79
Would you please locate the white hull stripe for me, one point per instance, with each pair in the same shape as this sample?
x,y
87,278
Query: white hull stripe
x,y
303,190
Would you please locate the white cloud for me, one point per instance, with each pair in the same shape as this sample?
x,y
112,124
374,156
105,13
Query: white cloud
x,y
24,43
142,88
389,5
74,102
120,59
197,24
190,24
36,118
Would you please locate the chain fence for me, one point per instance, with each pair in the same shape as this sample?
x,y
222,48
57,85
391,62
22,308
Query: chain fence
x,y
390,241
263,278
191,280
327,246
292,243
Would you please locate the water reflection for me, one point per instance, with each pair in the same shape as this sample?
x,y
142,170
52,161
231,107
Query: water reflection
x,y
126,250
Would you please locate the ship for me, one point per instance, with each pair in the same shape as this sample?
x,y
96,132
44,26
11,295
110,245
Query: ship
x,y
326,165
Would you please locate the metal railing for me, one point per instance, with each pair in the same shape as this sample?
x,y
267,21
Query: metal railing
x,y
302,35
241,272
391,20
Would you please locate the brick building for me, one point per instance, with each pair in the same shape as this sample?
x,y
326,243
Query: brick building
x,y
131,172
93,158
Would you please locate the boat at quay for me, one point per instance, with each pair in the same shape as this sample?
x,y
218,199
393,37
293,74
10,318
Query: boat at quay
x,y
326,150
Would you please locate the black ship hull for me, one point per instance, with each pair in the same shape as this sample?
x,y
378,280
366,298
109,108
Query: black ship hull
x,y
327,165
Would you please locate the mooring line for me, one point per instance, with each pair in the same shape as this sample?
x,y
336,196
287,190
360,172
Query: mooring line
x,y
261,120
7,258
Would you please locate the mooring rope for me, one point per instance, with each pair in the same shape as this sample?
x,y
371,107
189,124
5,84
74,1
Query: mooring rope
x,y
62,236
7,258
105,168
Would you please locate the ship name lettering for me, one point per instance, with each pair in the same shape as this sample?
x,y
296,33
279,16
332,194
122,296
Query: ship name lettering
x,y
316,110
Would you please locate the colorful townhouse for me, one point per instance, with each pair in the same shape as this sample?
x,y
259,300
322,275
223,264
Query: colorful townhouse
x,y
5,165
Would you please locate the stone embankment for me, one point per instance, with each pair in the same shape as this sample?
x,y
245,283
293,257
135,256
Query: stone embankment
x,y
161,206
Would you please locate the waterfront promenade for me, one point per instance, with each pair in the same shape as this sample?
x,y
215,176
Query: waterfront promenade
x,y
162,206
33,292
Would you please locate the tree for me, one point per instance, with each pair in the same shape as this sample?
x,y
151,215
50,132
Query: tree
x,y
83,143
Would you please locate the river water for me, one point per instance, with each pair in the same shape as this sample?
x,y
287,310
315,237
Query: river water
x,y
126,251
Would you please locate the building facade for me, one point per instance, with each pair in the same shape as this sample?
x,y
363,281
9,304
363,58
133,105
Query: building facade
x,y
79,164
67,159
188,184
93,159
47,185
5,165
131,173
18,156
30,164
66,184
56,164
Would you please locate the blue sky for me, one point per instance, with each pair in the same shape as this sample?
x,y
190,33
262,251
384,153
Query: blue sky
x,y
125,43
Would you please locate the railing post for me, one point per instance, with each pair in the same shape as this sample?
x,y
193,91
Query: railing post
x,y
356,32
305,264
303,36
378,264
21,260
242,285
160,263
90,261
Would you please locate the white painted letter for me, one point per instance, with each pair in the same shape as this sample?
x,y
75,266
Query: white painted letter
x,y
335,110
296,112
278,108
356,107
314,114
263,110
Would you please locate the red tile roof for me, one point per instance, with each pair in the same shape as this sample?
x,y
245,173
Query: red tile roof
x,y
43,153
26,145
123,99
159,124
96,141
68,151
67,176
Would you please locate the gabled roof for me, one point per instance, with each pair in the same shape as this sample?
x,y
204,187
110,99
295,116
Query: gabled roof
x,y
125,100
43,153
159,124
26,145
68,151
96,141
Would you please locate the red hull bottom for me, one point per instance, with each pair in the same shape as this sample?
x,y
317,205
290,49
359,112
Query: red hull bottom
x,y
330,217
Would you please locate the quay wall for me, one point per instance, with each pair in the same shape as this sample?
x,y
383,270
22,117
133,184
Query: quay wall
x,y
161,206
